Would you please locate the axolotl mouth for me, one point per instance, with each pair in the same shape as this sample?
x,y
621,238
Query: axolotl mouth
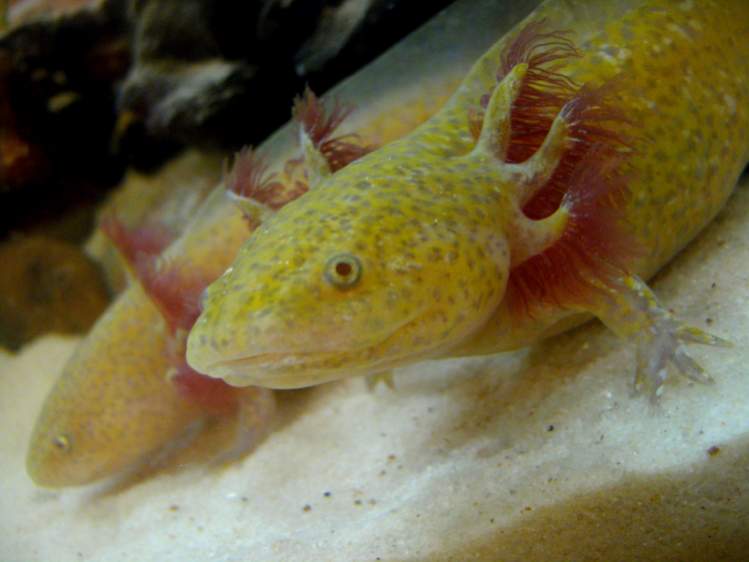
x,y
292,370
299,369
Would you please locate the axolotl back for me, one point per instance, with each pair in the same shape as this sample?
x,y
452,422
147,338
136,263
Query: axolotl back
x,y
568,165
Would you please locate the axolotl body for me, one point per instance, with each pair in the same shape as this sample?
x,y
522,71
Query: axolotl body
x,y
567,167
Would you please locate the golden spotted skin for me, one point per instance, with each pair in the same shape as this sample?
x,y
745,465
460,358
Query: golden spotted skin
x,y
434,225
686,86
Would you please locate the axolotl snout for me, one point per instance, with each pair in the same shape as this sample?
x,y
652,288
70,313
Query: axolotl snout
x,y
566,167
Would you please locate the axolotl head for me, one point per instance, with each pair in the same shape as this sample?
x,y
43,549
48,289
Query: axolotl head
x,y
399,256
376,267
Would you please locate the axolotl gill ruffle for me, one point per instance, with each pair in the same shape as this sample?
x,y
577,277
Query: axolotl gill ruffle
x,y
567,167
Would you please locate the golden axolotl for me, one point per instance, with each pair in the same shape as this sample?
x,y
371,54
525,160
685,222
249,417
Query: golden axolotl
x,y
577,157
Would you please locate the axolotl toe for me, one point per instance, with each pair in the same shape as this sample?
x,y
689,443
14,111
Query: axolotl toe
x,y
568,166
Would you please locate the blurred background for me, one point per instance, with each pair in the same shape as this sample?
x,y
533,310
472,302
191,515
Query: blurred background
x,y
97,93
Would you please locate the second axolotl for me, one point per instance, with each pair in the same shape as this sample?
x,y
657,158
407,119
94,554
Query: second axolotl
x,y
567,167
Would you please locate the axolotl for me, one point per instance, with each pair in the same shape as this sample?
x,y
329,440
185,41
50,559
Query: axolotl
x,y
577,157
126,402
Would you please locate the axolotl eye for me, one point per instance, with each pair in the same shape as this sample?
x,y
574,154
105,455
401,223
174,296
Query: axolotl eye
x,y
62,443
343,271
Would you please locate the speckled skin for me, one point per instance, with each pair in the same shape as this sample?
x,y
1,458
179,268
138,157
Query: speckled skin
x,y
433,219
684,68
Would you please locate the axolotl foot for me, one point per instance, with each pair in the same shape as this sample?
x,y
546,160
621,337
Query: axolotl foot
x,y
663,344
632,311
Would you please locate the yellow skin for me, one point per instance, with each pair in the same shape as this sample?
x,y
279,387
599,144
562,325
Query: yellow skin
x,y
405,254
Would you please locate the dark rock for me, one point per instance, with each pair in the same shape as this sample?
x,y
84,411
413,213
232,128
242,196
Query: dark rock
x,y
57,113
224,73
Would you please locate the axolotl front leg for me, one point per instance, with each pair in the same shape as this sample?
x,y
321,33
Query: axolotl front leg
x,y
606,289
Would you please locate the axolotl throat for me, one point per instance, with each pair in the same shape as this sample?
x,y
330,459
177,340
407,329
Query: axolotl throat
x,y
566,167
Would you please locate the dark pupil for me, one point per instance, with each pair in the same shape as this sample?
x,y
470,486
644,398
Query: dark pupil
x,y
343,269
